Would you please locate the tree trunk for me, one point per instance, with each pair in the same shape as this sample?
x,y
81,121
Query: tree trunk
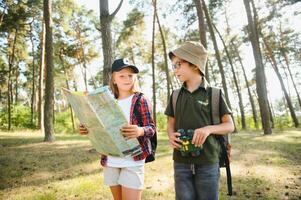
x,y
240,100
276,69
153,61
49,87
106,37
254,112
41,80
202,30
165,55
9,81
260,80
17,73
67,85
291,75
33,77
217,55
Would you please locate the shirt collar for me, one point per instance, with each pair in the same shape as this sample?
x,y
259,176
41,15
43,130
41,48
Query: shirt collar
x,y
204,84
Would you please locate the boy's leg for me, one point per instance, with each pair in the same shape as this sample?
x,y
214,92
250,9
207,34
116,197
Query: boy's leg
x,y
207,181
131,194
184,181
116,192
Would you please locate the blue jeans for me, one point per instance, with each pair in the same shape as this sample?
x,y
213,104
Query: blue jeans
x,y
196,182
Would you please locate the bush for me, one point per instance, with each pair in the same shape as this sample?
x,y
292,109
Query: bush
x,y
161,122
20,117
63,122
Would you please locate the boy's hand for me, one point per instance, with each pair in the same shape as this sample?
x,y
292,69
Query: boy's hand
x,y
83,130
200,136
174,140
132,131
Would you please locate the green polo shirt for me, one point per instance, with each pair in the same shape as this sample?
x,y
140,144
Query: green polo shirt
x,y
193,110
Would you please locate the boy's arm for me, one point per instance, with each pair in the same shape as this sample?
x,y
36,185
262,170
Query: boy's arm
x,y
172,135
200,134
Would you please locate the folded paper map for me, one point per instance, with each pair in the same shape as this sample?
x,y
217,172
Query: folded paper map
x,y
101,115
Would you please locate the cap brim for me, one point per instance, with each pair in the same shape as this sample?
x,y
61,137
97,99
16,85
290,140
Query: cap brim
x,y
134,68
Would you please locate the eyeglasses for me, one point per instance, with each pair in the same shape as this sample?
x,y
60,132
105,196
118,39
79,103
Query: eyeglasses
x,y
178,64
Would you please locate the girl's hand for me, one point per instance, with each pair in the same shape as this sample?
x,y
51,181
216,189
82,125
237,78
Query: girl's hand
x,y
132,131
174,140
83,130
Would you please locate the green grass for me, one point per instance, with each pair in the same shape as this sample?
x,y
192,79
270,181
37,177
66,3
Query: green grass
x,y
263,167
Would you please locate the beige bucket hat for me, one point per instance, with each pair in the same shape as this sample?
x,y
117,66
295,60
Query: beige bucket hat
x,y
192,52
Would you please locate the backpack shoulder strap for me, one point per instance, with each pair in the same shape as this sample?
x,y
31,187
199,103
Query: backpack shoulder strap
x,y
215,97
215,100
175,95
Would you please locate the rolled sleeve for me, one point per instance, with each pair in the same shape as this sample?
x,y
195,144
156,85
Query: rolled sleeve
x,y
169,109
146,118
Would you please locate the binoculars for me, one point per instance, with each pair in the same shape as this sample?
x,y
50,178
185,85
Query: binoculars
x,y
187,147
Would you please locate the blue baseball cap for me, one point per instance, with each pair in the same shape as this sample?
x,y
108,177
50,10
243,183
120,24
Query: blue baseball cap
x,y
122,63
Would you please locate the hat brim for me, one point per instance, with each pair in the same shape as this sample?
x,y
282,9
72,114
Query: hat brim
x,y
134,68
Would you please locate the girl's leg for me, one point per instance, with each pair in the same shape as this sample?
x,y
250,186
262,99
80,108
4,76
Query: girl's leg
x,y
116,192
131,194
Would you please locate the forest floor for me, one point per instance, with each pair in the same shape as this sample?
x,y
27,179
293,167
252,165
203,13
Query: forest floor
x,y
263,167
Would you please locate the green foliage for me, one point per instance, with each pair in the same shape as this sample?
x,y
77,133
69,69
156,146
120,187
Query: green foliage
x,y
161,122
283,121
20,117
63,123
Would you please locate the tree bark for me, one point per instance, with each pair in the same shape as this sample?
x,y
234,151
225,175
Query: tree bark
x,y
254,112
240,100
33,77
106,37
67,85
276,69
202,30
49,86
165,55
41,80
153,61
217,55
283,53
260,80
9,81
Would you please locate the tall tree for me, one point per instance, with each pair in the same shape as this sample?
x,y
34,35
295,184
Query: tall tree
x,y
273,61
105,29
202,29
33,92
169,83
240,100
254,112
283,51
217,54
153,60
260,78
49,84
41,79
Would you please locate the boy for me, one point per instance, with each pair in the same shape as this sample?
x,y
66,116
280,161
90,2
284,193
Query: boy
x,y
196,177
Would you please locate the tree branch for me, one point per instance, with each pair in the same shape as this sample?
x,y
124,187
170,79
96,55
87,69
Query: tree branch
x,y
117,9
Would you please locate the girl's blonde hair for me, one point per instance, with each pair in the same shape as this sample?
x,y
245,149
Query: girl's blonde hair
x,y
114,88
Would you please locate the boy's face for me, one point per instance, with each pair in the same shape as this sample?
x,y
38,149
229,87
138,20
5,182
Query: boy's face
x,y
124,79
183,71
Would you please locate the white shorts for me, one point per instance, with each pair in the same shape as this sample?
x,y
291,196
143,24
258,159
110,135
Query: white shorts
x,y
130,177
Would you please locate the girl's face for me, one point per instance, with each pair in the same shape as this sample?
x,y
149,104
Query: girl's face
x,y
124,79
183,71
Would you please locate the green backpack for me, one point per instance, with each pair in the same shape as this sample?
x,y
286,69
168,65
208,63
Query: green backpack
x,y
224,140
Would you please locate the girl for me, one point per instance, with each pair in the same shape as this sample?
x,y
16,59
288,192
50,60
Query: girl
x,y
125,176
